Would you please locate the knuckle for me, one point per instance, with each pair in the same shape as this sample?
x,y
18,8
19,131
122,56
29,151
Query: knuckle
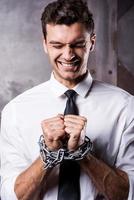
x,y
82,123
80,126
84,119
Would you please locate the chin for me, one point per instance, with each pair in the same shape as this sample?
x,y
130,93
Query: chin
x,y
69,76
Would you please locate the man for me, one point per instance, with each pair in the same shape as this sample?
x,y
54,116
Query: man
x,y
105,116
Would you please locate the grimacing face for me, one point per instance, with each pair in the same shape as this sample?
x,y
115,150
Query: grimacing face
x,y
68,48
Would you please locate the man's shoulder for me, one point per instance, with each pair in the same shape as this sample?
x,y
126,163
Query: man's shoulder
x,y
33,92
110,91
29,95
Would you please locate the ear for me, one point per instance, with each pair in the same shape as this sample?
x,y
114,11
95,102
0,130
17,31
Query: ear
x,y
92,39
45,45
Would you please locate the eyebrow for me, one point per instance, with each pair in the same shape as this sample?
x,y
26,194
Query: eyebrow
x,y
77,41
54,42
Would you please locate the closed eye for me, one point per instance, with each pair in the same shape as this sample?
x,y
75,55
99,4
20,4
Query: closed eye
x,y
78,45
58,46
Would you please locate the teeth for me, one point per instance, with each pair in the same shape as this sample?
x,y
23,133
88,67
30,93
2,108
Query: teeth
x,y
69,64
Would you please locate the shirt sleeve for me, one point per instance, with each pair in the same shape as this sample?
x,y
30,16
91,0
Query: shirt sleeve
x,y
125,158
13,158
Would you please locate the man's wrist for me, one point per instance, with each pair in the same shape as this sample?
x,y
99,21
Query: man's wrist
x,y
49,158
53,158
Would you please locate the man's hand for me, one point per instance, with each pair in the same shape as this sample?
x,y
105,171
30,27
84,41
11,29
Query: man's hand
x,y
74,125
56,129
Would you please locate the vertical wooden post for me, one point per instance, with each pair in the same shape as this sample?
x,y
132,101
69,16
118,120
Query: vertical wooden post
x,y
103,61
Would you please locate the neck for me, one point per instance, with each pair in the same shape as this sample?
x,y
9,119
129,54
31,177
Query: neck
x,y
71,83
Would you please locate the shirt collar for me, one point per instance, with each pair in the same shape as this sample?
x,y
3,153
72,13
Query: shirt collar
x,y
81,88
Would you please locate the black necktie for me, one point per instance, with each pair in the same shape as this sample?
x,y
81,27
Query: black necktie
x,y
69,186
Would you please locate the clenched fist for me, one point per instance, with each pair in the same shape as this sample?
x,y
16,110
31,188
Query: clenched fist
x,y
56,129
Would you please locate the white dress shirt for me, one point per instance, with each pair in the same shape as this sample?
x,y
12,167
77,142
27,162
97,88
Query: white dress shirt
x,y
110,126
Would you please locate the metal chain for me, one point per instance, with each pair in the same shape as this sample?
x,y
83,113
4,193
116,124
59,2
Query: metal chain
x,y
53,158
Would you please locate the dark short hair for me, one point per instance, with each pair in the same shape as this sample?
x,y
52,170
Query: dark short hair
x,y
67,12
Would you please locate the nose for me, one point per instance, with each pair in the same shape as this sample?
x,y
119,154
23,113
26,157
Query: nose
x,y
68,53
